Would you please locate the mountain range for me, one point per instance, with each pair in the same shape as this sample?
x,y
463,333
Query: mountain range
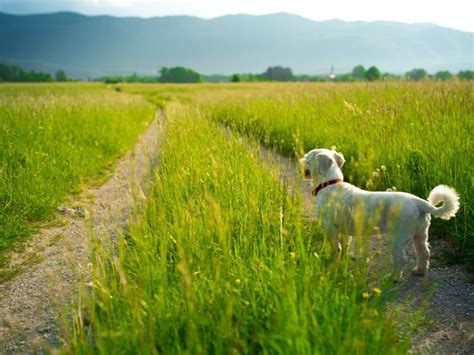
x,y
91,46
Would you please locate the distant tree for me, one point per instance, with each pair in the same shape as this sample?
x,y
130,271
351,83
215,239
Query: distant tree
x,y
60,76
466,75
416,74
10,72
112,79
278,73
372,74
179,75
235,78
347,77
134,78
249,77
443,75
14,73
33,76
358,72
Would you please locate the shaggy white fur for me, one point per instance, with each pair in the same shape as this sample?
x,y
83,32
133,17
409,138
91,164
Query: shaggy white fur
x,y
345,210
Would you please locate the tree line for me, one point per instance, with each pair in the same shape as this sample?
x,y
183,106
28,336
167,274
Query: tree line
x,y
166,75
358,73
279,73
15,73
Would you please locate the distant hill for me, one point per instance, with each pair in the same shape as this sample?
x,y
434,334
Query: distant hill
x,y
88,46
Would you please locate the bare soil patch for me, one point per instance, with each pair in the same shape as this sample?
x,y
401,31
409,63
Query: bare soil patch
x,y
31,303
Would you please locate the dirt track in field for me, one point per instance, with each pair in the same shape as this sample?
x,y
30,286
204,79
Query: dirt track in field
x,y
447,326
56,259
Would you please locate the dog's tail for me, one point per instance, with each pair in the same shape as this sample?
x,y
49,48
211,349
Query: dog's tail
x,y
450,199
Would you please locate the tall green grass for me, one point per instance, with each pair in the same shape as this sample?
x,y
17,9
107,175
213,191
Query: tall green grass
x,y
53,139
218,260
404,136
407,136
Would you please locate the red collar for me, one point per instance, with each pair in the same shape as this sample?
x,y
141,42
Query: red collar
x,y
325,184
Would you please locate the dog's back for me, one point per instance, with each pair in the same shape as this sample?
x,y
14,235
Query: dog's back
x,y
353,211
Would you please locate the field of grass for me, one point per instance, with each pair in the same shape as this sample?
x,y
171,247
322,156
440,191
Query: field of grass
x,y
53,139
219,258
220,261
407,136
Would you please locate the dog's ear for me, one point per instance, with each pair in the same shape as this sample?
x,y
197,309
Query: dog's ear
x,y
324,162
304,167
339,158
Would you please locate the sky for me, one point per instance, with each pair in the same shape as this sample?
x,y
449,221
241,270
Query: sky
x,y
456,14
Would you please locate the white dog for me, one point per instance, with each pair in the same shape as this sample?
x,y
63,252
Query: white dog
x,y
345,210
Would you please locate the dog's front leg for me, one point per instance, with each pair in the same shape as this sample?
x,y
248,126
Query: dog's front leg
x,y
340,244
345,244
333,239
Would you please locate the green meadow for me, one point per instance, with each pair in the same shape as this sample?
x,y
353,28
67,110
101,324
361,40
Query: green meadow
x,y
219,257
395,135
221,261
55,139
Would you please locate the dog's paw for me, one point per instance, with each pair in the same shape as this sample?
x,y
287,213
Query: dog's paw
x,y
418,272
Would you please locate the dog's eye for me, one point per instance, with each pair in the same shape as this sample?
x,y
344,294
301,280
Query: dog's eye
x,y
307,173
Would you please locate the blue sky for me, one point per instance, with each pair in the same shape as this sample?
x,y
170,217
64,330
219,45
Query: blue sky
x,y
454,13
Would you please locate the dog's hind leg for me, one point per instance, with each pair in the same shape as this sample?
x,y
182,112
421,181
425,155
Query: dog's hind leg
x,y
335,243
399,259
420,242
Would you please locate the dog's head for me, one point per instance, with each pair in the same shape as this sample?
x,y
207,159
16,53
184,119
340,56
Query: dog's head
x,y
318,161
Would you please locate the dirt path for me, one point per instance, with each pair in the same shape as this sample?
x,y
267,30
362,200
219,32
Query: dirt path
x,y
32,302
57,257
448,324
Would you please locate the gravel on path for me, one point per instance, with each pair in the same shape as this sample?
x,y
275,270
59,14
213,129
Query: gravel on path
x,y
33,303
